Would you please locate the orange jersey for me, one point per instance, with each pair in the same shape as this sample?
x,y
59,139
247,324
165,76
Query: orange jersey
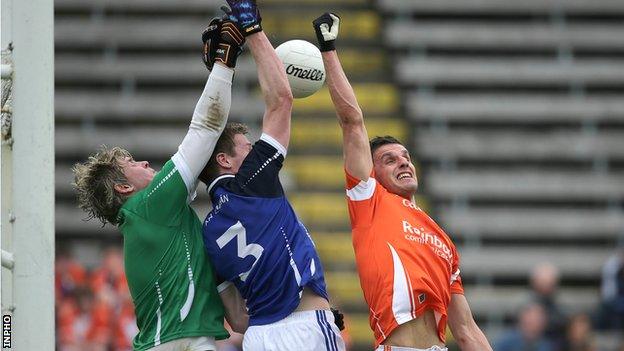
x,y
405,261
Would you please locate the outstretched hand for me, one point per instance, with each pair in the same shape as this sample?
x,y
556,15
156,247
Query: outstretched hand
x,y
246,14
326,27
223,42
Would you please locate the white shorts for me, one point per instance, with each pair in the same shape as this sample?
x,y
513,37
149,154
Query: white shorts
x,y
301,331
200,343
400,348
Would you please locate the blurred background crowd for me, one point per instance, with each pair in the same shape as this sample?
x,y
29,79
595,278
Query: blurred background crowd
x,y
94,311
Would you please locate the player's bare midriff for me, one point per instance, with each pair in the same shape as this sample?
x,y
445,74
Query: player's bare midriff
x,y
419,333
311,301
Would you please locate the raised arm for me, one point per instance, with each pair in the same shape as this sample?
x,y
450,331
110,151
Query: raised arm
x,y
222,45
275,89
271,74
356,149
463,326
208,121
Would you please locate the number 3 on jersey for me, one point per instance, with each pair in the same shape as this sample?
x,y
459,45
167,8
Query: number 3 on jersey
x,y
238,231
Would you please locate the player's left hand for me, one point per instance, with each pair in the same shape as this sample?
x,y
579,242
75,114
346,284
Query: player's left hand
x,y
326,27
338,319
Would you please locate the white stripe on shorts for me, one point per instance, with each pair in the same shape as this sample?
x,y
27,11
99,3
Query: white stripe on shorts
x,y
301,331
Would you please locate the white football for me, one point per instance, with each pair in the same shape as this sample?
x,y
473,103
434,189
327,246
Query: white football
x,y
304,67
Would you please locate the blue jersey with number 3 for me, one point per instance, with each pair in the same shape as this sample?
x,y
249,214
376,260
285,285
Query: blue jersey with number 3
x,y
255,240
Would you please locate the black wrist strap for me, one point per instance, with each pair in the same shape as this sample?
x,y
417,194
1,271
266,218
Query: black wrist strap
x,y
327,45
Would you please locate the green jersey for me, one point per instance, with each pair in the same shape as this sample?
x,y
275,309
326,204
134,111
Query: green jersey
x,y
171,280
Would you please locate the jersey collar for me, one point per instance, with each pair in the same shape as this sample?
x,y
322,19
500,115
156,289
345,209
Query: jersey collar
x,y
214,182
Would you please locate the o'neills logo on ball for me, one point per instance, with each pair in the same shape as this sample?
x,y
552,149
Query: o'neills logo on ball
x,y
311,74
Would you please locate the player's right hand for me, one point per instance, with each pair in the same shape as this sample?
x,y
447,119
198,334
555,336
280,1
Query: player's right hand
x,y
338,318
223,42
326,27
246,14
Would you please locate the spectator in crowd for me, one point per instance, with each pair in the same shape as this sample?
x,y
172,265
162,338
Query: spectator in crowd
x,y
529,334
94,310
110,275
84,322
70,281
69,274
611,314
544,282
578,336
66,311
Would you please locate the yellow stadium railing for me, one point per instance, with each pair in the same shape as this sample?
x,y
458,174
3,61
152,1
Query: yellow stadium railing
x,y
359,25
373,98
314,132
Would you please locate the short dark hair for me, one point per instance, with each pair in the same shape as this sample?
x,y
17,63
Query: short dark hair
x,y
225,144
379,141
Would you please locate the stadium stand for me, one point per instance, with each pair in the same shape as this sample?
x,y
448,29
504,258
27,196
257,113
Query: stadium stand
x,y
514,110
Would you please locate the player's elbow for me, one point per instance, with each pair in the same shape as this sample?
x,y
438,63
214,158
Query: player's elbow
x,y
350,115
468,336
240,323
281,101
212,119
462,337
462,334
285,98
472,342
351,118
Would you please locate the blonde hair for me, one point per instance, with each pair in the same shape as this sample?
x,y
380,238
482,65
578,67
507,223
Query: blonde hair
x,y
95,180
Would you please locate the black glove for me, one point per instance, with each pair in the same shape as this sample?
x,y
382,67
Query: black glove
x,y
246,14
338,319
210,38
326,28
223,42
